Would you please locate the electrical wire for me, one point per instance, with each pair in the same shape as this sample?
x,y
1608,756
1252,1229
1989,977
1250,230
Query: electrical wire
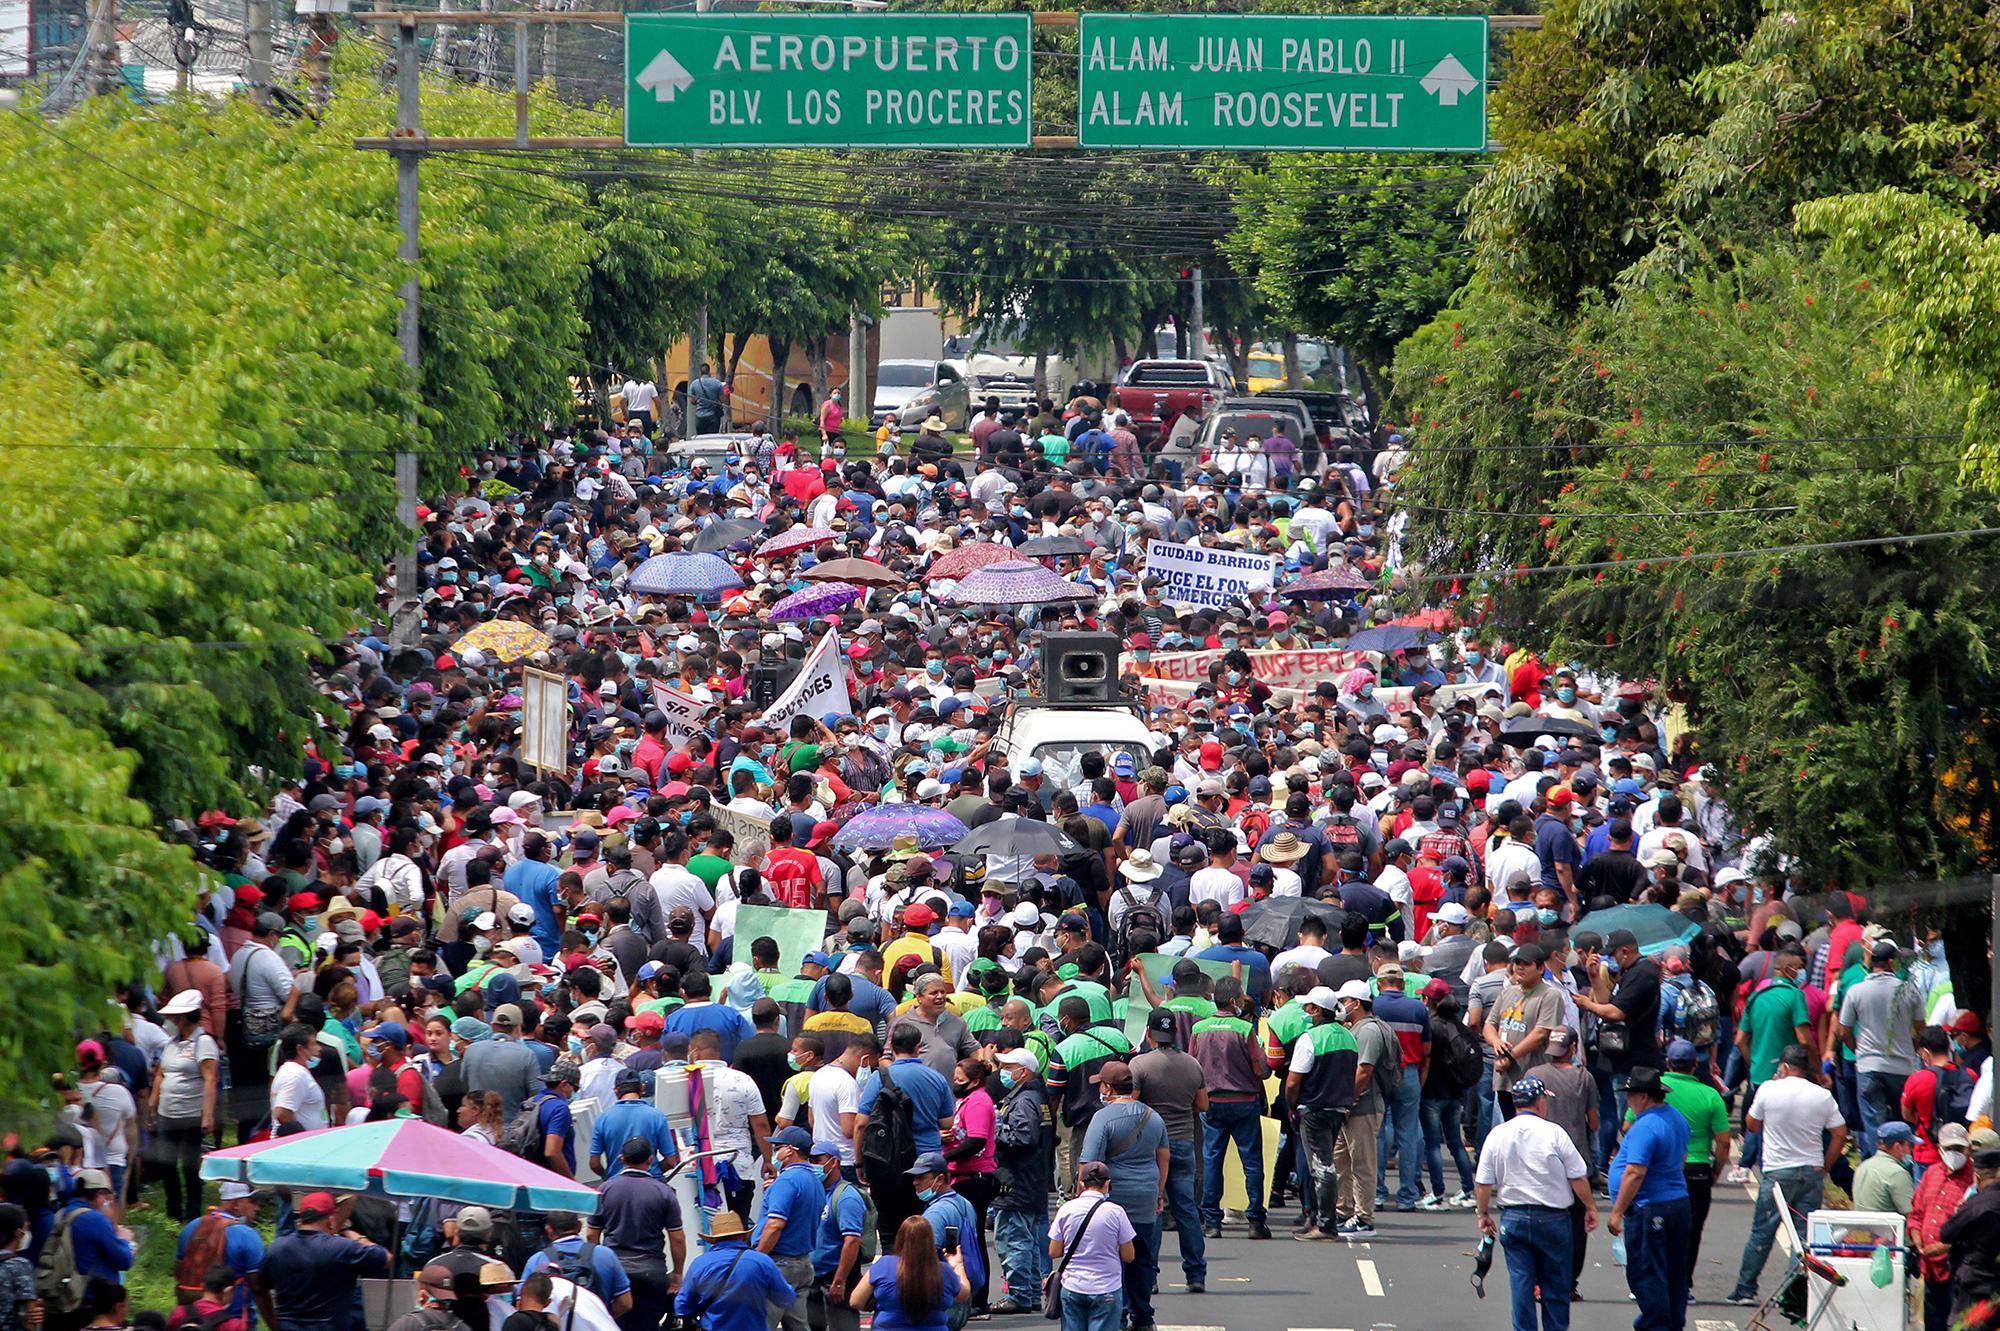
x,y
1642,563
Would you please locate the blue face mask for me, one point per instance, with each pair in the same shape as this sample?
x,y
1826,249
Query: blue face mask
x,y
935,669
452,576
313,1062
766,750
1610,734
1565,695
1474,658
1142,655
1229,644
1611,966
1545,917
345,771
1367,529
1367,690
927,1194
1007,1078
1236,677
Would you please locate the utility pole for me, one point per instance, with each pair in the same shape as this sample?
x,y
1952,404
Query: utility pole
x,y
101,45
403,612
698,336
1198,344
257,67
858,405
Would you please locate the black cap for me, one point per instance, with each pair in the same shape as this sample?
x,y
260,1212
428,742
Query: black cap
x,y
1644,1080
1162,1020
1618,938
1530,953
1988,1159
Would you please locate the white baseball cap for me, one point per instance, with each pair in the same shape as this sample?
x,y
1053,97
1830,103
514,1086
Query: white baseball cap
x,y
1321,997
182,1004
1453,913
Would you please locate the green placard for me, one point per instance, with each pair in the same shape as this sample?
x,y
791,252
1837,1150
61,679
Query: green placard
x,y
1282,83
828,80
1159,967
797,932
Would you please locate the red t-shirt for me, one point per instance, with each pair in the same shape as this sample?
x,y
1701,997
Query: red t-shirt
x,y
791,876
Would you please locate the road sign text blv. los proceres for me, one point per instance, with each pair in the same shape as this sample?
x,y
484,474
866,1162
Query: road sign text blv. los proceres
x,y
828,80
1282,82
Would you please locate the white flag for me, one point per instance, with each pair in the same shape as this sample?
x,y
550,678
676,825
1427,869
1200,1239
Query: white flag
x,y
820,690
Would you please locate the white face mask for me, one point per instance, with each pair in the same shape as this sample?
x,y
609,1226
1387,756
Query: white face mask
x,y
1953,1160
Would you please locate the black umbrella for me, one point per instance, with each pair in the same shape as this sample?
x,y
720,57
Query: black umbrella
x,y
721,535
1274,921
1052,547
1015,836
1524,730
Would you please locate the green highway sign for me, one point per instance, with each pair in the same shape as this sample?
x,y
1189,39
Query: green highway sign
x,y
828,80
1282,83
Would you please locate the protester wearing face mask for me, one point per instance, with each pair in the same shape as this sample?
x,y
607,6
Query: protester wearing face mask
x,y
1939,1193
183,1102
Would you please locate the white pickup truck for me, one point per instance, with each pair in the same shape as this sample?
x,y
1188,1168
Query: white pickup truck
x,y
1060,734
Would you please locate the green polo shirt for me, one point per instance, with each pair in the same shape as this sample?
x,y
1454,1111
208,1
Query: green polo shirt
x,y
1772,1016
1702,1106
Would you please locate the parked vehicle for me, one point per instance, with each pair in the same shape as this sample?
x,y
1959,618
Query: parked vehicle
x,y
898,381
1153,391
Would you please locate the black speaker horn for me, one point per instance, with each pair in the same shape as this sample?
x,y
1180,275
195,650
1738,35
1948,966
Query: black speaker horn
x,y
1080,667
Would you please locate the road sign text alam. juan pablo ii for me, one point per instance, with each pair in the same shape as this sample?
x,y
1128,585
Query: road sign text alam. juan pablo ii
x,y
1282,82
832,80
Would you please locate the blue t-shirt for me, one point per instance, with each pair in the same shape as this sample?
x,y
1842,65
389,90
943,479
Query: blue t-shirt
x,y
625,1120
313,1276
242,1252
99,1250
534,881
1554,845
846,1213
611,1277
728,1024
890,1315
1658,1140
930,1099
1256,966
796,1196
950,1208
554,1119
871,1001
726,1300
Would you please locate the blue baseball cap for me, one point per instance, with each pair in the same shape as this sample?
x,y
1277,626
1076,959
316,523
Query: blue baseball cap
x,y
1680,1051
795,1137
817,959
828,1148
960,910
1032,767
1895,1130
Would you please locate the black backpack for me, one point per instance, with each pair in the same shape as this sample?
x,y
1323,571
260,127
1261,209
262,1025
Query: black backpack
x,y
577,1268
1139,917
889,1141
1461,1058
1951,1100
523,1135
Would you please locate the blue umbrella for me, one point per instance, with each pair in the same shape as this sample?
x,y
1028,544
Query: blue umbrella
x,y
1390,638
700,574
878,827
1656,927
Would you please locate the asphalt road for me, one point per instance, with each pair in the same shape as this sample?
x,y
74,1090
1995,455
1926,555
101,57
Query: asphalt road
x,y
1415,1274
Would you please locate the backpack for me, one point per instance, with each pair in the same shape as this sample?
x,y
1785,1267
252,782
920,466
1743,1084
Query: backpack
x,y
432,1109
1389,1072
58,1284
1342,833
205,1249
1951,1098
871,1242
1140,916
523,1135
1461,1058
1254,823
578,1268
1700,1014
889,1142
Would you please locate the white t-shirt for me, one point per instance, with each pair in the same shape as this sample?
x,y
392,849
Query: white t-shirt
x,y
640,396
831,1093
1221,886
1507,859
1794,1111
182,1088
736,1100
111,1109
1305,955
294,1089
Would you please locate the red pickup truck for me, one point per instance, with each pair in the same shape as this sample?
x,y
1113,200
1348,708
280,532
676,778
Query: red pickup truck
x,y
1156,391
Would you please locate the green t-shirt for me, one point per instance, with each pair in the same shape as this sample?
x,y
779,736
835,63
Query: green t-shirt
x,y
1849,977
1772,1015
1285,1025
1054,447
1702,1106
709,868
1201,1009
983,1018
1091,992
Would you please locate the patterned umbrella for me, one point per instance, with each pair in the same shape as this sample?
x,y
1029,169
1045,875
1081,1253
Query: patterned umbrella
x,y
1015,582
827,598
878,827
400,1157
700,574
794,540
1389,639
504,640
1327,585
958,562
861,572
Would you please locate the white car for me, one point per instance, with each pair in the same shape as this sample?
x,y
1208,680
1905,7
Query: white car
x,y
1060,735
898,382
710,448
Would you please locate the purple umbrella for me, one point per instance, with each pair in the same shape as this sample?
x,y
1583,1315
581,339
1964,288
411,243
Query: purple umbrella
x,y
824,599
700,574
1015,582
1326,585
878,827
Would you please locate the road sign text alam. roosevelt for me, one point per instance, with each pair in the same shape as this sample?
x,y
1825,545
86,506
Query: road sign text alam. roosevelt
x,y
1282,82
838,80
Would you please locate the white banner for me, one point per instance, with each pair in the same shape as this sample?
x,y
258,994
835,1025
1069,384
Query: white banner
x,y
1198,575
683,712
545,720
819,691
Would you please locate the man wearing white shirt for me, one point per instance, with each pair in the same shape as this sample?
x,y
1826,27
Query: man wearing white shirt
x,y
1532,1172
1515,856
956,939
1310,952
1217,881
1397,856
1793,1111
835,1097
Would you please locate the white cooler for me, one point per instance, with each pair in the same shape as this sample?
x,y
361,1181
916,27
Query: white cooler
x,y
1846,1241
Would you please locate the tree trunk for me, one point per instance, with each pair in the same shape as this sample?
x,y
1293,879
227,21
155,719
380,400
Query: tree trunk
x,y
1119,349
736,343
821,381
1239,356
781,356
1293,379
1041,374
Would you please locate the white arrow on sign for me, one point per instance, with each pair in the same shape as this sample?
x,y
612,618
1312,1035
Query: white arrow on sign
x,y
665,76
1447,82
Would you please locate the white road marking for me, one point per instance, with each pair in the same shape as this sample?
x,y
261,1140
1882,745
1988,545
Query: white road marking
x,y
1169,1326
1716,1326
1371,1279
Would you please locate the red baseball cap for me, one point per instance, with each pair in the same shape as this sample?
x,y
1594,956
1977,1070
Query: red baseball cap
x,y
1139,641
645,1021
316,1205
920,916
305,901
1211,755
1561,797
1479,779
678,763
1968,1023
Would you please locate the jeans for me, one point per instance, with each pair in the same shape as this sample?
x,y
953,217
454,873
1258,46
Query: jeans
x,y
1535,1241
823,1314
1753,1142
1937,1304
1610,1113
1403,1130
1482,1105
1701,1192
1881,1096
799,1271
650,1301
1143,1269
1656,1238
1091,1312
1242,1122
1320,1138
1023,1240
1183,1210
176,1150
1803,1187
1442,1131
